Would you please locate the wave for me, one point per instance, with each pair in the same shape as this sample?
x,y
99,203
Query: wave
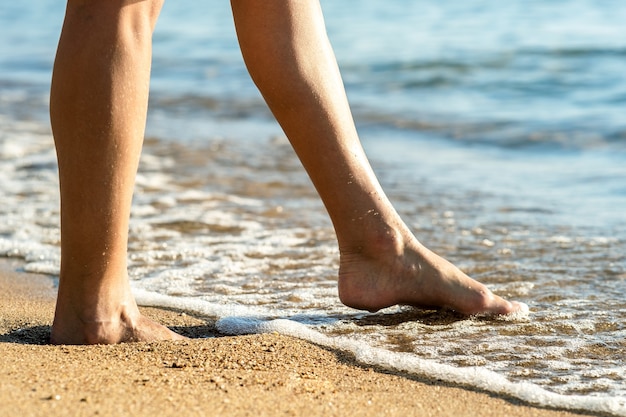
x,y
505,134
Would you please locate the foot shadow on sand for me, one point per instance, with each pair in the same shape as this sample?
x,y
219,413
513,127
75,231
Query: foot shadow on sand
x,y
40,335
34,335
411,315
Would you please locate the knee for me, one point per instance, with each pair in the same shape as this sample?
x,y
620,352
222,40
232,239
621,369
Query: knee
x,y
137,16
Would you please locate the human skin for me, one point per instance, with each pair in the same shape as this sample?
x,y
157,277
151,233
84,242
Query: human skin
x,y
98,111
98,108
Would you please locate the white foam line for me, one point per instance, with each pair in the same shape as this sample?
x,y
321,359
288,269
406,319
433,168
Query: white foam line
x,y
238,320
194,305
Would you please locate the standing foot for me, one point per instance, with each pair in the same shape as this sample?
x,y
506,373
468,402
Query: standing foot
x,y
123,330
107,323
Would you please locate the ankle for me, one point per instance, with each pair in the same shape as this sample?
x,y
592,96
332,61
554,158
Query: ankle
x,y
375,242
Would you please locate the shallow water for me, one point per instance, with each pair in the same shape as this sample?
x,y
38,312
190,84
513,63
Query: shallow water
x,y
498,133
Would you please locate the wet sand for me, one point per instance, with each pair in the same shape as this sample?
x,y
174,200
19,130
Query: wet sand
x,y
260,375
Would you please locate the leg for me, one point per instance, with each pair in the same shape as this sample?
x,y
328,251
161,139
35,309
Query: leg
x,y
98,110
287,52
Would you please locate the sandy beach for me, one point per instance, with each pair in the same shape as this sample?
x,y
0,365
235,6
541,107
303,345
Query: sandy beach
x,y
260,375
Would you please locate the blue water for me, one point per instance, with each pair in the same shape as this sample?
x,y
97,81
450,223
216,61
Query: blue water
x,y
498,130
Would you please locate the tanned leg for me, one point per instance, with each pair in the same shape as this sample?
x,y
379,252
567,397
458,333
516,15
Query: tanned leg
x,y
98,112
287,52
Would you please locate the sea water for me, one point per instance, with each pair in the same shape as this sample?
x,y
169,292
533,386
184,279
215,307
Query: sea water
x,y
498,130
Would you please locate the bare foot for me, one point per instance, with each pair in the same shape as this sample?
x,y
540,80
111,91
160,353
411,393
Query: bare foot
x,y
118,322
140,329
397,273
122,330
